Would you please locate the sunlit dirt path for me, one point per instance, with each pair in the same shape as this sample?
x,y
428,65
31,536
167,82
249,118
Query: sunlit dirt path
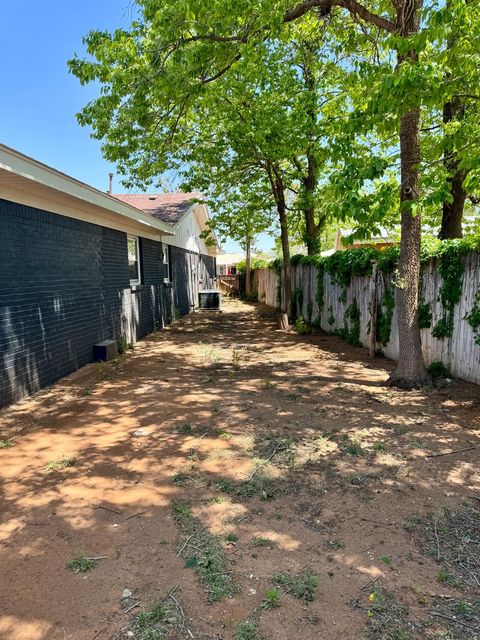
x,y
190,416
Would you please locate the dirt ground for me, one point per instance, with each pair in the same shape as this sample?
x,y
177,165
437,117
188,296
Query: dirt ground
x,y
270,453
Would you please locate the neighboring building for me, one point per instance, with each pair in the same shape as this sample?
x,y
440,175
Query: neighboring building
x,y
381,241
227,263
78,266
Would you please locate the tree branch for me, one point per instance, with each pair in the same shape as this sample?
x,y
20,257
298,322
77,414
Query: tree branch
x,y
353,6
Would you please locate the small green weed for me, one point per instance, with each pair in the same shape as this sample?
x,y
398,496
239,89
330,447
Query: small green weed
x,y
184,429
102,370
386,559
302,585
154,622
380,447
181,478
353,448
416,443
224,435
388,619
271,600
6,444
122,344
438,371
231,537
62,463
444,577
81,564
258,541
261,486
248,630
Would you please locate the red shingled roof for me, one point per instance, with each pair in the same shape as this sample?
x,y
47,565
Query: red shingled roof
x,y
168,207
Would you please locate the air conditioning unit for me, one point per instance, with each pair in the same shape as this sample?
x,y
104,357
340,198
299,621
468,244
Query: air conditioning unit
x,y
209,299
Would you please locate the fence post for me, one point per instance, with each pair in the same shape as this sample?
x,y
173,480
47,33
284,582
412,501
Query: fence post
x,y
373,311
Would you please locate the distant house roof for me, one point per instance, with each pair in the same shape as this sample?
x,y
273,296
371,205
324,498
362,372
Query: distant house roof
x,y
167,207
230,258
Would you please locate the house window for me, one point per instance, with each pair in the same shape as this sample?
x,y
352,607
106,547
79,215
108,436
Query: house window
x,y
166,262
133,260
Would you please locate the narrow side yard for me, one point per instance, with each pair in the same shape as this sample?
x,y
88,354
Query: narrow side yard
x,y
225,480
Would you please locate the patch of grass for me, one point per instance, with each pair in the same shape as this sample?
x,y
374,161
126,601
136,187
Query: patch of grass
x,y
6,444
353,448
205,554
81,564
302,585
387,619
248,630
271,600
380,447
261,486
224,435
154,622
444,577
412,522
184,429
180,478
61,463
386,560
416,443
453,539
86,391
461,617
258,541
231,537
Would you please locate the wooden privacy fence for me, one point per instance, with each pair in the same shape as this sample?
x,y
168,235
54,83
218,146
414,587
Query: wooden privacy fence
x,y
348,310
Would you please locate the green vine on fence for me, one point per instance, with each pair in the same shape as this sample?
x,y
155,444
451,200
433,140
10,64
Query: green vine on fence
x,y
385,316
351,333
473,318
451,268
424,315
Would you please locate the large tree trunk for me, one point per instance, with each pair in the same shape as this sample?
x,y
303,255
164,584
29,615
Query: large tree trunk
x,y
452,214
311,232
248,270
287,270
410,372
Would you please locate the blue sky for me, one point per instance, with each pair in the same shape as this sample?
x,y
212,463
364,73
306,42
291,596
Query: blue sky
x,y
39,98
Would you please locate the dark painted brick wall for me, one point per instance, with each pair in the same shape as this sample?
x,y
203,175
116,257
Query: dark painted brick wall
x,y
64,285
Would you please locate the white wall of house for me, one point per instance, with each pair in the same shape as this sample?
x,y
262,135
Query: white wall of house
x,y
187,234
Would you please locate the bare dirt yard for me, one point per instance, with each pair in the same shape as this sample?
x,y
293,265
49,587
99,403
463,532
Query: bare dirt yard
x,y
225,480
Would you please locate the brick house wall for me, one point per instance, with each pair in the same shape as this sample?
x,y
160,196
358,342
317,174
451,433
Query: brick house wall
x,y
64,285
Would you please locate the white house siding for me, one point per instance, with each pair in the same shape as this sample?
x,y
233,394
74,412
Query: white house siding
x,y
187,235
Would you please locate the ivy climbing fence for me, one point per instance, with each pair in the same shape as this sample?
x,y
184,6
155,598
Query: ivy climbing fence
x,y
449,308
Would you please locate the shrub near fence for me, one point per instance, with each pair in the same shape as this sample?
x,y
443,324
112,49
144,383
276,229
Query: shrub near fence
x,y
330,296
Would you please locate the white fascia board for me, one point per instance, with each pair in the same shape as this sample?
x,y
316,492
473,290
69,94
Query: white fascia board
x,y
29,169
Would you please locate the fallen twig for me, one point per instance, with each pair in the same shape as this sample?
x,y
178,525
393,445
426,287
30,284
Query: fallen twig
x,y
385,524
132,516
449,453
464,624
132,606
99,506
96,558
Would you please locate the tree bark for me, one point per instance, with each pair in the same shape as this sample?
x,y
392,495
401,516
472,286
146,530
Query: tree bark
x,y
287,270
410,372
248,271
312,230
452,213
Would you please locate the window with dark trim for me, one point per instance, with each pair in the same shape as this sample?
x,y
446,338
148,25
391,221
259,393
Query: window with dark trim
x,y
166,262
133,260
